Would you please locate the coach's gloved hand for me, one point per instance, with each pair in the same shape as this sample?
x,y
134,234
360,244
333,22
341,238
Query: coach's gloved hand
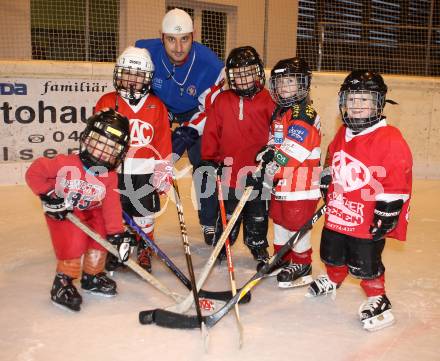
x,y
386,216
54,206
123,242
265,155
324,181
183,138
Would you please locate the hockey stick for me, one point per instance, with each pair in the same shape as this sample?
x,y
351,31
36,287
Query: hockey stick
x,y
169,319
209,300
186,304
229,259
130,263
186,248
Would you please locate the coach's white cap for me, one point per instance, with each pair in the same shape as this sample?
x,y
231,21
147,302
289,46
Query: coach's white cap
x,y
177,21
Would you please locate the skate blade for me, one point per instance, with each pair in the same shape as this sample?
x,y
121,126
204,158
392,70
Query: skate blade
x,y
379,322
300,282
65,308
91,292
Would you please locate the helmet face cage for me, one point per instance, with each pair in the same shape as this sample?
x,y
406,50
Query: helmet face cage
x,y
287,87
131,83
246,80
360,109
103,143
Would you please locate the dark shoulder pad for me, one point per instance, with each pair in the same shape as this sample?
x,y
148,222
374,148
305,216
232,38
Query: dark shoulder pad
x,y
304,112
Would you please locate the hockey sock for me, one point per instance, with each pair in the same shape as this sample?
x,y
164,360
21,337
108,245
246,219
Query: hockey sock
x,y
94,261
374,287
301,258
337,274
69,267
287,257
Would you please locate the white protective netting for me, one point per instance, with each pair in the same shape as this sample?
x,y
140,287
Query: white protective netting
x,y
397,37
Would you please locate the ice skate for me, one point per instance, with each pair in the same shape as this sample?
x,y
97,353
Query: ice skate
x,y
321,286
208,234
112,263
98,284
375,313
260,254
65,294
144,257
295,275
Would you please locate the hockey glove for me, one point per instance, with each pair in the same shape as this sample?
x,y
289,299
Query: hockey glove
x,y
183,138
265,155
54,206
163,177
386,216
211,167
324,181
122,242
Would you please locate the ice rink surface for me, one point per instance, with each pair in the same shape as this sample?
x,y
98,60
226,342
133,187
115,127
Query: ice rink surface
x,y
278,324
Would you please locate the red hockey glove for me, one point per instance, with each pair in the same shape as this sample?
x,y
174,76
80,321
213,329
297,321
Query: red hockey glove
x,y
163,177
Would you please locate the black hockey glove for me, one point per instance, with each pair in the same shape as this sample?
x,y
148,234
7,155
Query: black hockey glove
x,y
54,206
211,167
386,216
123,242
265,155
183,138
324,181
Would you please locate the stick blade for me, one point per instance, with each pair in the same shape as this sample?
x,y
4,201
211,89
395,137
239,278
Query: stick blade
x,y
168,319
223,295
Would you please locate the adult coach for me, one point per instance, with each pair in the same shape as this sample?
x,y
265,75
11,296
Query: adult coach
x,y
187,77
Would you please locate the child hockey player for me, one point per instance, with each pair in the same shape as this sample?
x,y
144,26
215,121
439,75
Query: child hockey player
x,y
295,147
86,185
147,169
237,127
367,182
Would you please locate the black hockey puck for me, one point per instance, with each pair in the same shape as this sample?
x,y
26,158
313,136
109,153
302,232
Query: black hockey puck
x,y
146,317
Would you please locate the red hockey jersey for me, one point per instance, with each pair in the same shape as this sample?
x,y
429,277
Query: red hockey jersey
x,y
373,165
297,138
80,188
236,129
150,135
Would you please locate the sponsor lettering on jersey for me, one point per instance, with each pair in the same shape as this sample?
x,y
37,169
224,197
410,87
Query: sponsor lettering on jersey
x,y
297,132
81,194
343,211
141,133
280,158
289,147
278,133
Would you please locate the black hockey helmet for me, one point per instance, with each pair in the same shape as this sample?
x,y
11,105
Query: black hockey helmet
x,y
290,81
362,99
105,140
245,71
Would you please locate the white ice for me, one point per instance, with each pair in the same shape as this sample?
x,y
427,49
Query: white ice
x,y
278,324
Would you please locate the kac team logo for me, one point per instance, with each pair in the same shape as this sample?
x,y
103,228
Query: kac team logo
x,y
348,172
141,133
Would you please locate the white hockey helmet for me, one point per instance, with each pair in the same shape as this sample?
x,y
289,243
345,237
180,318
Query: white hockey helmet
x,y
133,73
177,22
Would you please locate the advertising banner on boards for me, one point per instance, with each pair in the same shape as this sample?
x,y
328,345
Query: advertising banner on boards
x,y
45,117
